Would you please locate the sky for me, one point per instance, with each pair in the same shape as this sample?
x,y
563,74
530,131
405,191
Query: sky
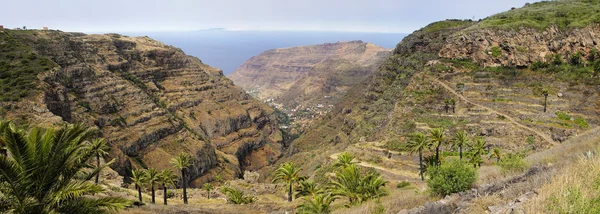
x,y
393,16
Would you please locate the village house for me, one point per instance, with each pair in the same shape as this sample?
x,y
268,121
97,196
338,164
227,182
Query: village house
x,y
1,27
44,28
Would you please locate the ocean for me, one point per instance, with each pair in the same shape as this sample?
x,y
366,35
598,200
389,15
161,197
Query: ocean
x,y
228,49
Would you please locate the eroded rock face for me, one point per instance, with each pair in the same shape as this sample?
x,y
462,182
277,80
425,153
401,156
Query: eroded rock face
x,y
151,102
318,74
493,47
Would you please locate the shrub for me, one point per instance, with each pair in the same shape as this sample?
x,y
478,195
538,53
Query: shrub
x,y
402,184
170,193
451,177
581,122
496,52
562,115
557,59
512,163
236,196
539,65
575,59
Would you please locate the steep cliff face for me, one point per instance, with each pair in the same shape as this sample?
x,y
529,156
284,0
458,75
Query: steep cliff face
x,y
151,102
310,74
496,47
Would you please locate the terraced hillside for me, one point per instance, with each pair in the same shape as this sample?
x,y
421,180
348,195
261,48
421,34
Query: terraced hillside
x,y
309,75
149,100
497,84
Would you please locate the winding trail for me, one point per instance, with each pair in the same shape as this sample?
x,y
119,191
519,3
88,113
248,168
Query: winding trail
x,y
388,170
511,119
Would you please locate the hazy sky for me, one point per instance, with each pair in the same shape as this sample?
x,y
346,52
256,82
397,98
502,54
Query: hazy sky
x,y
172,15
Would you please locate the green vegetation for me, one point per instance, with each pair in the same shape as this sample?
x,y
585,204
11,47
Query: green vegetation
x,y
208,187
350,183
447,24
167,178
402,184
19,66
496,52
100,149
138,177
451,177
319,204
152,178
236,196
437,140
290,175
541,15
577,202
48,171
182,161
512,162
418,143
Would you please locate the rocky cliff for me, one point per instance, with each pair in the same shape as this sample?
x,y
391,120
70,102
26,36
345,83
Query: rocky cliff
x,y
149,100
318,74
522,47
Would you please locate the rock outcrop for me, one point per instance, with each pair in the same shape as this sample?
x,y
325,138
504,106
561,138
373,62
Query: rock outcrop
x,y
151,102
496,47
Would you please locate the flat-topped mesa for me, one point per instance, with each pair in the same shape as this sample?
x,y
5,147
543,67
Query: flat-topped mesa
x,y
308,71
151,102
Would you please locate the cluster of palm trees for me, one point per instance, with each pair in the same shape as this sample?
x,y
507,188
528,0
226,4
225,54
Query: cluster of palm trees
x,y
165,178
436,138
51,171
348,181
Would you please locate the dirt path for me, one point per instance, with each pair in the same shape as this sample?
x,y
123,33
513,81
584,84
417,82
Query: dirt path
x,y
511,119
388,170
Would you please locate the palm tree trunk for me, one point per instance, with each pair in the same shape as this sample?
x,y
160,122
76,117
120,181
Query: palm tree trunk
x,y
139,192
437,155
153,201
290,192
97,165
421,164
207,194
185,200
165,194
460,151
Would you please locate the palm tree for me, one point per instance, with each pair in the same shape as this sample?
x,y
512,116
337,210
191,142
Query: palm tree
x,y
453,104
307,188
167,178
100,150
349,183
475,159
319,204
48,171
208,187
461,139
437,140
152,177
139,178
545,93
289,174
496,153
418,143
446,105
182,161
343,160
478,149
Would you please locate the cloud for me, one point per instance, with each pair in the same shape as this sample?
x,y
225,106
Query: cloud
x,y
173,15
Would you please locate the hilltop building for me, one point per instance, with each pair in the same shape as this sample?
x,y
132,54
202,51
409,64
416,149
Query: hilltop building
x,y
1,27
44,28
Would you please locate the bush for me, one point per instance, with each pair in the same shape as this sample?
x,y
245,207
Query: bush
x,y
451,177
496,52
402,184
562,115
170,193
539,65
581,122
512,163
236,196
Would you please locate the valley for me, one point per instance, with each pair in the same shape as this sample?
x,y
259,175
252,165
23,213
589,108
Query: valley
x,y
498,115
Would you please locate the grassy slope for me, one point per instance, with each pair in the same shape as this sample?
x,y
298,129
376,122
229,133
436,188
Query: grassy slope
x,y
19,65
541,15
